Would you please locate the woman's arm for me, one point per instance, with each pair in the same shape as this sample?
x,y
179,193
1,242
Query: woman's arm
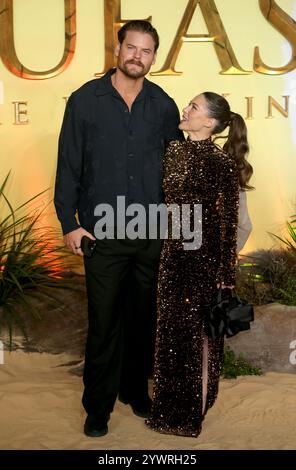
x,y
229,201
244,227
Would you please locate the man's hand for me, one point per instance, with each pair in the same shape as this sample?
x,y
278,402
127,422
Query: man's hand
x,y
72,240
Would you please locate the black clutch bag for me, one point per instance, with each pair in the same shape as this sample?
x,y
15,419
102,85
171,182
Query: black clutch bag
x,y
228,315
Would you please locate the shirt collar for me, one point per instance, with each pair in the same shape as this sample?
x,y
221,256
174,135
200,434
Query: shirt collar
x,y
104,85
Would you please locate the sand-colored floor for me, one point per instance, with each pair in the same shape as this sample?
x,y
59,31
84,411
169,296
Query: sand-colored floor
x,y
40,408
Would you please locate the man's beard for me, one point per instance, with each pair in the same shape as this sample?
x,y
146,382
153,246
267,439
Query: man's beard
x,y
132,73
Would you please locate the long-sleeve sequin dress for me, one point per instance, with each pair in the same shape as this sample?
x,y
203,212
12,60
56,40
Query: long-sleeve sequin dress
x,y
195,172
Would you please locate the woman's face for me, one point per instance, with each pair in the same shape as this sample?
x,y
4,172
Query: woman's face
x,y
195,116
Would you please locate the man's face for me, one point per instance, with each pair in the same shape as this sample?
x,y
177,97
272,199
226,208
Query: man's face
x,y
136,54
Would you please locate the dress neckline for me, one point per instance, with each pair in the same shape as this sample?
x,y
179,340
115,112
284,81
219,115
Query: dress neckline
x,y
200,143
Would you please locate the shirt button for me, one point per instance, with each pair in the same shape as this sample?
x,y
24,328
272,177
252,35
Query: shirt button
x,y
130,154
131,177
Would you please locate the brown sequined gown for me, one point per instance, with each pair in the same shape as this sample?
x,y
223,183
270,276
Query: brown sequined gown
x,y
195,172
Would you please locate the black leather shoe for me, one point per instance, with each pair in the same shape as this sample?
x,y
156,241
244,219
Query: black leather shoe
x,y
141,408
94,427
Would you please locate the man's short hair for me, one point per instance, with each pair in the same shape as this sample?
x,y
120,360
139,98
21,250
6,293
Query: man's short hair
x,y
142,26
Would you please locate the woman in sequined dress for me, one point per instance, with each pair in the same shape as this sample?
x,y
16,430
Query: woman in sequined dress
x,y
197,171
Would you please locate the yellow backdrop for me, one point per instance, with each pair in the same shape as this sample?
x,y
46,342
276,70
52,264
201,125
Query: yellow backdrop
x,y
30,149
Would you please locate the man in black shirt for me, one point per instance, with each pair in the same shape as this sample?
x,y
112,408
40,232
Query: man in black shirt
x,y
112,142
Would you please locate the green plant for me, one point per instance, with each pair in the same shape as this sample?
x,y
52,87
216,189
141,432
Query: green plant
x,y
31,264
287,294
284,289
234,366
268,276
290,243
250,282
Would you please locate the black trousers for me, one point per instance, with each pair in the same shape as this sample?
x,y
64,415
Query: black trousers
x,y
121,281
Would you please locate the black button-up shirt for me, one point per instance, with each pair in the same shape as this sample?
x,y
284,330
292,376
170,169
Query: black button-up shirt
x,y
106,151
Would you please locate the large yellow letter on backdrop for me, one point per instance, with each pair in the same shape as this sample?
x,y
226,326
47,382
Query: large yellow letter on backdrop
x,y
286,26
7,49
217,36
